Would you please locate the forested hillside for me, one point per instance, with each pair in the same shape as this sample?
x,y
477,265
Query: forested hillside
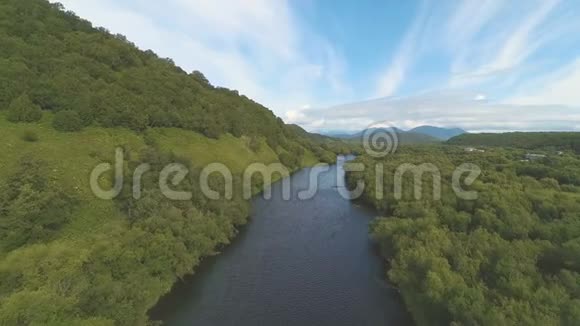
x,y
528,140
509,257
70,95
54,61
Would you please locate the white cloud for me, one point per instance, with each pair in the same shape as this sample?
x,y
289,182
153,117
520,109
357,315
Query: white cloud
x,y
480,97
508,43
267,26
523,42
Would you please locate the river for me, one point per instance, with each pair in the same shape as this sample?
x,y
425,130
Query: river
x,y
298,262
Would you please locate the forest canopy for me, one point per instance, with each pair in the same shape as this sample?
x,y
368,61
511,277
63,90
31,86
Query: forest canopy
x,y
510,257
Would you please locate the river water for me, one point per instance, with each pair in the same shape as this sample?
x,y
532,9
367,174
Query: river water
x,y
298,262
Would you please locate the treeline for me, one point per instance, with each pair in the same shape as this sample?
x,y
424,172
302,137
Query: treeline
x,y
51,60
562,141
509,257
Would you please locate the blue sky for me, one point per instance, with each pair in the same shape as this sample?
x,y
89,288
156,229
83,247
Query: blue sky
x,y
486,65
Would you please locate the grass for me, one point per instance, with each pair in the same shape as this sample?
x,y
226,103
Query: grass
x,y
234,153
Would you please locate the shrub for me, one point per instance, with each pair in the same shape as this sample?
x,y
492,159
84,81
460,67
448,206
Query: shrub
x,y
255,144
22,109
67,121
289,161
29,136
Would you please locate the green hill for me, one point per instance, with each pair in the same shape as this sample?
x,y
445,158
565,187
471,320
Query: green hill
x,y
402,137
438,132
70,94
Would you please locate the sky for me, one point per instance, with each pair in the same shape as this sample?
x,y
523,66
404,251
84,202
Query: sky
x,y
482,65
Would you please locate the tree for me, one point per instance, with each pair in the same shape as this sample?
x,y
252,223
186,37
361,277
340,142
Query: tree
x,y
197,75
255,144
67,121
289,161
22,109
15,75
31,207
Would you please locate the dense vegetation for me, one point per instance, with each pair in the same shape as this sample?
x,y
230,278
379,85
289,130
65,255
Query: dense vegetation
x,y
510,257
529,140
69,95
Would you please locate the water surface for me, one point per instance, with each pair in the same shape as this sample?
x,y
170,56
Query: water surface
x,y
298,262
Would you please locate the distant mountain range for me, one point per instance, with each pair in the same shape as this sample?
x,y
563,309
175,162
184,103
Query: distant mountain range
x,y
422,134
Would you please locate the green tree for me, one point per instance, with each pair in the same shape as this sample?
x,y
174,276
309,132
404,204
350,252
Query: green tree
x,y
67,121
32,208
255,144
22,109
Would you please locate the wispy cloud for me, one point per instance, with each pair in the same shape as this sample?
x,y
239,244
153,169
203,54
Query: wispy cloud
x,y
395,73
522,42
469,19
561,86
501,52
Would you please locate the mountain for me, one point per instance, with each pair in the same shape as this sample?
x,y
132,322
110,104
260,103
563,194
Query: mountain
x,y
340,134
403,137
423,134
373,130
437,132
